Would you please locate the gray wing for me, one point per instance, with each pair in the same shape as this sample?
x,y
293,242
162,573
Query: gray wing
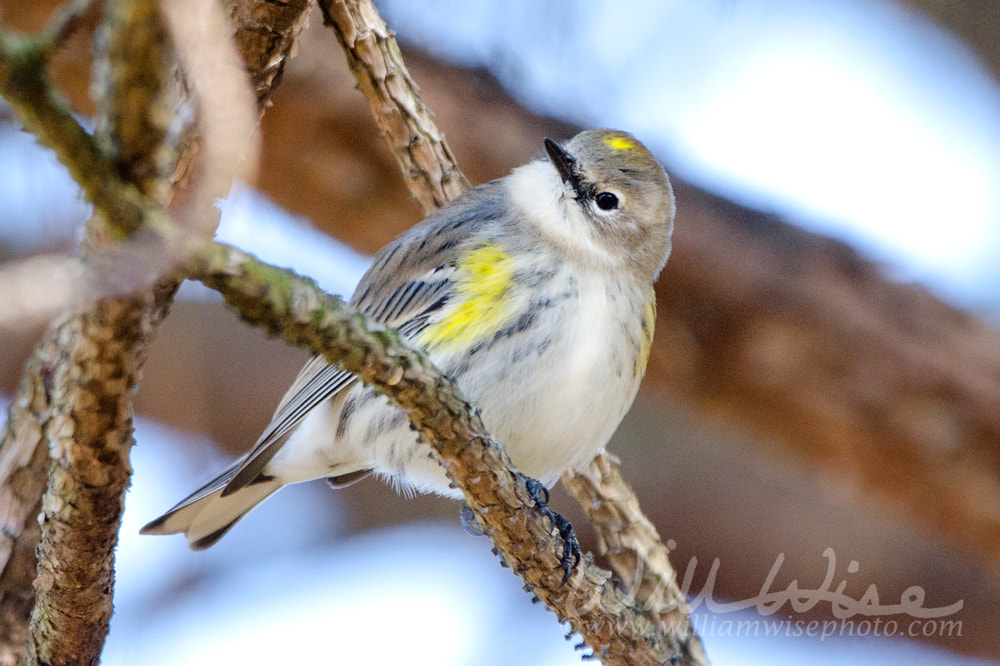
x,y
398,290
409,307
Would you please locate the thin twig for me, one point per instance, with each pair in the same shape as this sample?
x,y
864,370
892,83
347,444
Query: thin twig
x,y
419,147
26,86
633,546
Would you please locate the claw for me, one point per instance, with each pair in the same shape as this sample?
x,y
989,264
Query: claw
x,y
571,546
539,493
469,521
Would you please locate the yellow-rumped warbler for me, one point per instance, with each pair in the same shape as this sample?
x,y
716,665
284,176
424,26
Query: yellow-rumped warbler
x,y
533,292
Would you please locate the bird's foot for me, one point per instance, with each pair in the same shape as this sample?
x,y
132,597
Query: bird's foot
x,y
571,546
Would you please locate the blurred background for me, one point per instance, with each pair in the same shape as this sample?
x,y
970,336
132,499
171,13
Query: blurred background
x,y
826,372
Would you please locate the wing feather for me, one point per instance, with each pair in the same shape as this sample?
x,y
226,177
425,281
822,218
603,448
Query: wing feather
x,y
318,380
402,288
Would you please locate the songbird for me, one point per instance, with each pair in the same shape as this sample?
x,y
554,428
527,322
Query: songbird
x,y
533,292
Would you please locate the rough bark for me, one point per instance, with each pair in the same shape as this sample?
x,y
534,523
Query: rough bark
x,y
611,623
711,259
24,465
266,32
414,139
88,436
74,404
631,543
83,404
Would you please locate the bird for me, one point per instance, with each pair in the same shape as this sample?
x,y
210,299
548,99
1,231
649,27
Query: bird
x,y
533,292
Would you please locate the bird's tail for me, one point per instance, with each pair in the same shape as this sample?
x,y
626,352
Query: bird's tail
x,y
205,515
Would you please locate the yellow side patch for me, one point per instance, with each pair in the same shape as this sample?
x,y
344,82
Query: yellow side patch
x,y
482,302
648,325
619,142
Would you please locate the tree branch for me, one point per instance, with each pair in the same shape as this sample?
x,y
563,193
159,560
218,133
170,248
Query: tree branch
x,y
612,625
90,435
632,544
88,430
25,84
618,629
24,465
639,558
374,57
265,33
793,339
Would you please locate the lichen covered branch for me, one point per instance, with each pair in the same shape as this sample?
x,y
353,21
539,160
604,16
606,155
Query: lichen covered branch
x,y
611,622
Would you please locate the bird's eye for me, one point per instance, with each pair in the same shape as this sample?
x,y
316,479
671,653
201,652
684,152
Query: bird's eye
x,y
606,201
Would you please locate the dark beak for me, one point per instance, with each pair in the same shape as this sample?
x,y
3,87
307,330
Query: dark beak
x,y
564,163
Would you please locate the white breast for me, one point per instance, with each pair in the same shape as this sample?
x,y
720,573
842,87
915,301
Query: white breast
x,y
574,400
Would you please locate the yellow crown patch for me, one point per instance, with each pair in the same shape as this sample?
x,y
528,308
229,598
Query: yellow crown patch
x,y
619,142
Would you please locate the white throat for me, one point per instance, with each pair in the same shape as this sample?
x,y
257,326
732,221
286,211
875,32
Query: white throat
x,y
537,192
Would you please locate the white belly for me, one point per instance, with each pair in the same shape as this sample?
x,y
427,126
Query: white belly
x,y
553,408
572,403
556,409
